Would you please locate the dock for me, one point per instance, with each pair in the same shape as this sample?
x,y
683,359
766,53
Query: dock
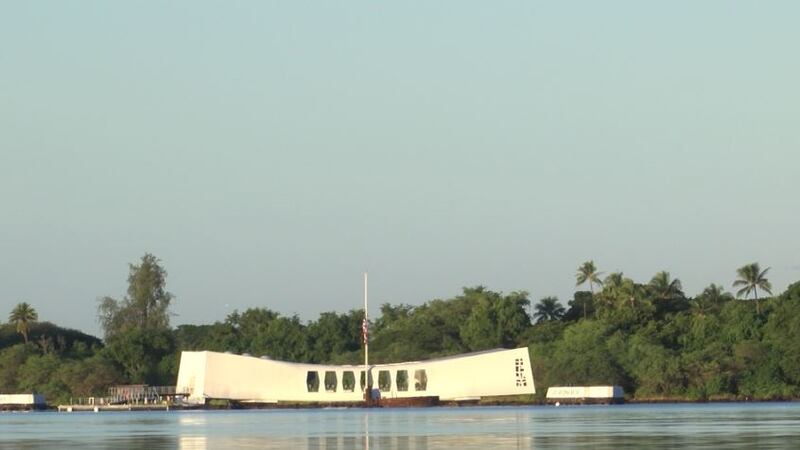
x,y
103,408
132,397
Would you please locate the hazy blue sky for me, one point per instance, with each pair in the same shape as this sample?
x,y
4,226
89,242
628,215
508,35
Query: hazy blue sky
x,y
270,152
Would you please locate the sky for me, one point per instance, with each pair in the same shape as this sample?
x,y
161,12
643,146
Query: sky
x,y
271,152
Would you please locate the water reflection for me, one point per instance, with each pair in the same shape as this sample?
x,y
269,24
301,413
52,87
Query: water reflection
x,y
629,426
193,443
142,443
377,442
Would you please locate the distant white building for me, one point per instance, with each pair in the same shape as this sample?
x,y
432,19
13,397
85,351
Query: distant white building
x,y
585,394
22,401
210,375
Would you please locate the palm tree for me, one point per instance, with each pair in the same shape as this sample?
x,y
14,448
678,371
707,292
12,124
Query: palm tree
x,y
548,309
612,285
751,277
710,300
632,291
22,315
665,290
614,280
587,273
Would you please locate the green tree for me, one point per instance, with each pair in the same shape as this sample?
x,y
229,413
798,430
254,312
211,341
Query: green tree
x,y
262,332
614,280
751,277
667,293
587,273
431,329
582,357
480,331
334,334
656,370
665,288
612,285
90,376
11,360
144,355
710,300
548,309
391,314
581,305
284,338
623,301
248,325
39,374
782,332
22,315
512,317
792,293
496,320
147,293
145,307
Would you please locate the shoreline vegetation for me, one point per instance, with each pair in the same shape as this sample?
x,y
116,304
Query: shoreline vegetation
x,y
649,337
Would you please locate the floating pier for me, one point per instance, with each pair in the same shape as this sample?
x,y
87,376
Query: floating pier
x,y
101,408
131,397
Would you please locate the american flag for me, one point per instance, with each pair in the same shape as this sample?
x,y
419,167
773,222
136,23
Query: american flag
x,y
365,330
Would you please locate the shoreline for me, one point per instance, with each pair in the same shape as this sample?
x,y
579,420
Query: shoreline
x,y
294,406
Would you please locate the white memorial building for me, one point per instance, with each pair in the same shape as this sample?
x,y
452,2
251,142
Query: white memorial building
x,y
206,375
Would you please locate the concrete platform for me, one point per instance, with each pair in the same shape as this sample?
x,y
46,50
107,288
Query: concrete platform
x,y
99,408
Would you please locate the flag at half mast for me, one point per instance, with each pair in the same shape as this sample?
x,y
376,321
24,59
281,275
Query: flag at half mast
x,y
365,330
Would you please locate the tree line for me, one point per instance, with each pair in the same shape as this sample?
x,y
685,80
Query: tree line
x,y
650,337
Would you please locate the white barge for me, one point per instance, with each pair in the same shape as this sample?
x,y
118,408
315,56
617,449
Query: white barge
x,y
22,402
585,395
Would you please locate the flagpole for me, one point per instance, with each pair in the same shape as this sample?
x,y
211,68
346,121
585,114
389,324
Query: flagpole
x,y
365,332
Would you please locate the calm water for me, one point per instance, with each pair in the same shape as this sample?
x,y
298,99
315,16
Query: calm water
x,y
764,425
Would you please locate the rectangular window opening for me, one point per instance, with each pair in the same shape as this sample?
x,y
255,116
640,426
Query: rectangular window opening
x,y
348,381
401,380
312,381
330,381
420,380
384,381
